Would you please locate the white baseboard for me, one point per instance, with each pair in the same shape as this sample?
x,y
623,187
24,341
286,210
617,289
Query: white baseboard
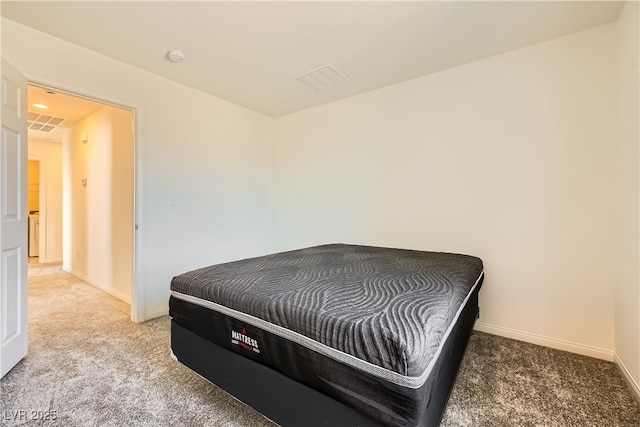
x,y
157,312
50,260
572,347
121,296
627,376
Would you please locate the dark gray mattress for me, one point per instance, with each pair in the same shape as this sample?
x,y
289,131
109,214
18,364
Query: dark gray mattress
x,y
383,313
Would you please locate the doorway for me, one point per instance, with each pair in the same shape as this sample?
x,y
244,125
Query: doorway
x,y
85,149
33,206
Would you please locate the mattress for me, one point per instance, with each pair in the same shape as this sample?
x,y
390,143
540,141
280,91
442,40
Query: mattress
x,y
365,325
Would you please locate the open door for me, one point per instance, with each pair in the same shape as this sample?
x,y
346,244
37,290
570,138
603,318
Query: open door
x,y
13,218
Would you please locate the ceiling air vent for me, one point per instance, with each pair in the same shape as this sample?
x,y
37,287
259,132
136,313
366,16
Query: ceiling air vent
x,y
323,78
44,122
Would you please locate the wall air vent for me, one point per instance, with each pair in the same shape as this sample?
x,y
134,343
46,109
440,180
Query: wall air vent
x,y
323,78
44,122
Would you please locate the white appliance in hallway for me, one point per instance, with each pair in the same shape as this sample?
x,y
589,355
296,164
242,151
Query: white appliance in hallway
x,y
34,233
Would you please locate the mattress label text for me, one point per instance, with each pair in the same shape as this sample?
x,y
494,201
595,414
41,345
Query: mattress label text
x,y
244,341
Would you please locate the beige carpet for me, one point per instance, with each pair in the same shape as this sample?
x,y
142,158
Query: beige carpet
x,y
88,365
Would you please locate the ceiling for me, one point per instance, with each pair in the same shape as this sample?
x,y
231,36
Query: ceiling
x,y
59,105
250,53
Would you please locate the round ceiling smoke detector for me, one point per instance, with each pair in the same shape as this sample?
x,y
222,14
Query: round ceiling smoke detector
x,y
176,55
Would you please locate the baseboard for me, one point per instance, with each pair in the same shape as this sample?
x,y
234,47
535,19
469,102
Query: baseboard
x,y
627,376
49,260
572,347
121,296
157,312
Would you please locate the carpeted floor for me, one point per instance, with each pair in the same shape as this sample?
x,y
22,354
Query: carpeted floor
x,y
88,365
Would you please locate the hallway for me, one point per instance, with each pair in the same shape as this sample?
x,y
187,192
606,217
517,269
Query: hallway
x,y
89,365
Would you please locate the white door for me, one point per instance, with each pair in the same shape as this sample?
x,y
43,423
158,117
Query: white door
x,y
13,219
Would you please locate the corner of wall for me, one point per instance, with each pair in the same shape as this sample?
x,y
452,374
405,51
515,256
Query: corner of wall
x,y
627,317
635,387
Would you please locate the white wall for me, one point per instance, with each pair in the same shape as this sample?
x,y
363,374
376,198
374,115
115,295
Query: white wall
x,y
213,158
99,211
627,318
50,156
511,158
122,198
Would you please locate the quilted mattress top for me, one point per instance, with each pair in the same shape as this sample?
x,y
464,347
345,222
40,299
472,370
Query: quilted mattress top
x,y
387,307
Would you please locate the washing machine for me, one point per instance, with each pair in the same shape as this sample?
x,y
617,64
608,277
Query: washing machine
x,y
34,233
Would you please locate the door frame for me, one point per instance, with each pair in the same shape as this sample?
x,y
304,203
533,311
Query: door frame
x,y
137,314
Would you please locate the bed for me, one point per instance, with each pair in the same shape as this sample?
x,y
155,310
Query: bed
x,y
331,335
